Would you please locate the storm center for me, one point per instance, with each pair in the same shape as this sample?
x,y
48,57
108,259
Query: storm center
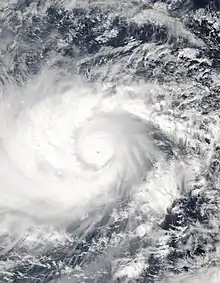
x,y
95,149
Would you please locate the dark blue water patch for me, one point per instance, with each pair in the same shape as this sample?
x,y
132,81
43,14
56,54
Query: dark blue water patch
x,y
190,210
188,214
179,7
82,32
83,247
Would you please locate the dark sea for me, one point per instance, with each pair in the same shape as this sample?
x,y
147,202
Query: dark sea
x,y
109,141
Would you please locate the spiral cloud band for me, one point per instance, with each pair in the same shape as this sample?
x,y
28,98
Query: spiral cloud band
x,y
77,146
109,141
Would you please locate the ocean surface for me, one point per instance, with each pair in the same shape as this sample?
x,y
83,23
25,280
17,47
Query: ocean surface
x,y
109,141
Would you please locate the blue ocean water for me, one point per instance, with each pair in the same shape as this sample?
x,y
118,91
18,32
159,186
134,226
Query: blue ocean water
x,y
162,55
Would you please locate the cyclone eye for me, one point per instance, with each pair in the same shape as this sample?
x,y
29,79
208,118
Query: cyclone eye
x,y
95,149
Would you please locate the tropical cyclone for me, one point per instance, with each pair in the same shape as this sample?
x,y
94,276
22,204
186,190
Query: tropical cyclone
x,y
109,141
